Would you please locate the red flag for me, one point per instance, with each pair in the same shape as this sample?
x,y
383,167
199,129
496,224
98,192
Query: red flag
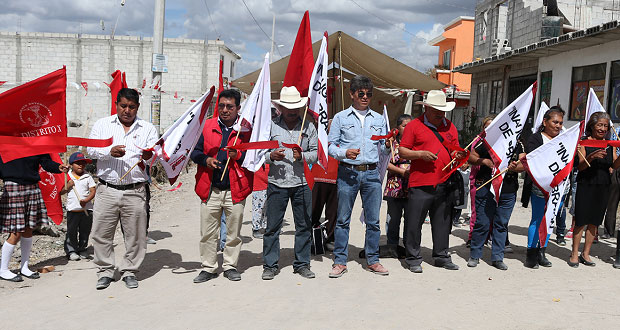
x,y
36,108
143,83
118,82
50,185
176,95
85,85
220,89
301,61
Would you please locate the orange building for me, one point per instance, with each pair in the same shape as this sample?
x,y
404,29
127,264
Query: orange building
x,y
456,46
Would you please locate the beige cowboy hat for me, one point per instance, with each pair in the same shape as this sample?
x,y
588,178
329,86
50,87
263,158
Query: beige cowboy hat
x,y
290,98
437,99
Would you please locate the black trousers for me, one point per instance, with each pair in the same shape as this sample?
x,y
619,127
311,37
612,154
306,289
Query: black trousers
x,y
612,204
433,201
325,195
78,231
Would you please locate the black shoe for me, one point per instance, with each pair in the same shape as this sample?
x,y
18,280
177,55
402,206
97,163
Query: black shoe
x,y
449,265
362,254
456,224
103,282
130,282
586,262
472,262
499,265
560,241
531,259
468,244
604,235
304,272
232,274
572,265
508,249
329,246
204,276
415,269
34,276
258,234
269,274
16,278
542,259
617,261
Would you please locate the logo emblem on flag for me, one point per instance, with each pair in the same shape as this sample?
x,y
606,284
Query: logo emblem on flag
x,y
31,114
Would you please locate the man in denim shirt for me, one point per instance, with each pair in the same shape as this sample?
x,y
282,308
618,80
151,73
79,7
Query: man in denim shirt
x,y
350,143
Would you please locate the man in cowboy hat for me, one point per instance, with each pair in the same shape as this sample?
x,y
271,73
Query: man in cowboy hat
x,y
286,181
425,142
350,143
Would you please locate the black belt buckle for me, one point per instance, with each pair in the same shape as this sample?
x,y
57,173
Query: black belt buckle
x,y
361,167
121,187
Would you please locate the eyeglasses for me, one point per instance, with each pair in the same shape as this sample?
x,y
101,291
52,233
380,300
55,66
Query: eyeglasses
x,y
221,106
361,94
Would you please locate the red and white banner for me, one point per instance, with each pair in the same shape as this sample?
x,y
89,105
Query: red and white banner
x,y
317,104
173,148
301,61
51,184
502,134
256,116
549,166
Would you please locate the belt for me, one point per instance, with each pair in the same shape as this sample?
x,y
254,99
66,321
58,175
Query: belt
x,y
121,186
361,168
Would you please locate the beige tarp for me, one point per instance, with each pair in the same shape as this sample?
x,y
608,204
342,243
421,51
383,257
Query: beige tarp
x,y
358,58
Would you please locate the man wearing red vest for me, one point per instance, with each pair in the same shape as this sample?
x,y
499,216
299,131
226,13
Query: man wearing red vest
x,y
221,193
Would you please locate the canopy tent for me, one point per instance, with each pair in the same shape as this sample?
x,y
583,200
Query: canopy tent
x,y
393,80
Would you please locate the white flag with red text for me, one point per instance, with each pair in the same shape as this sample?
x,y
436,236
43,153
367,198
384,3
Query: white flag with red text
x,y
317,96
256,116
502,134
549,166
174,147
540,116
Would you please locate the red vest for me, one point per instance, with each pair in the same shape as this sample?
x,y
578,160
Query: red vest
x,y
240,178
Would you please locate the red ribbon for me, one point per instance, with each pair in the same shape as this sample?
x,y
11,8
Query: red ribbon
x,y
392,134
254,145
53,141
600,143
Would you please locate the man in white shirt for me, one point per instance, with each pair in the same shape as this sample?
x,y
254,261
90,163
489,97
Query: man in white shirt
x,y
118,199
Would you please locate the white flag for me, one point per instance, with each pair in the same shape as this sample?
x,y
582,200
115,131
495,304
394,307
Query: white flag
x,y
539,118
174,147
317,96
256,116
594,105
502,134
549,167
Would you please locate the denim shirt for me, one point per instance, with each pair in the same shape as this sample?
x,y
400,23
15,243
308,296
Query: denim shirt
x,y
346,132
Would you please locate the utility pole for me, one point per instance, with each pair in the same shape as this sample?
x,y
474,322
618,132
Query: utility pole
x,y
273,42
158,50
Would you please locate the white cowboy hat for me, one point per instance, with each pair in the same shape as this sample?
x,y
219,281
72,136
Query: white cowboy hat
x,y
290,98
437,99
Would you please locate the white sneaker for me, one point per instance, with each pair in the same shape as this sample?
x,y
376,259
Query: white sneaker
x,y
150,240
74,256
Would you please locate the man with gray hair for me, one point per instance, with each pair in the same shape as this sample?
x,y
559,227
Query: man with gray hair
x,y
350,143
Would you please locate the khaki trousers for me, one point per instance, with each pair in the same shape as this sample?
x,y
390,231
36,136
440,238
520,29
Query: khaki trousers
x,y
128,207
210,214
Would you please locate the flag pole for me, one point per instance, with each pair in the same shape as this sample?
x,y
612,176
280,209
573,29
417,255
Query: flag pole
x,y
453,159
228,160
584,157
303,121
129,170
75,192
340,67
493,178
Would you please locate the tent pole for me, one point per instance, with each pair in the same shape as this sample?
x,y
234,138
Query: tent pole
x,y
334,82
340,65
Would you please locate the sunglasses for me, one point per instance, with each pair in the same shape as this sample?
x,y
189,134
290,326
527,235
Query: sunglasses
x,y
361,94
221,106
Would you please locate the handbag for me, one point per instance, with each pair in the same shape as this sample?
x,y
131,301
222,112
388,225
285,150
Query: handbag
x,y
454,184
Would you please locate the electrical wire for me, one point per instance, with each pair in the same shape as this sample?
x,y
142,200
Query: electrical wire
x,y
255,21
211,18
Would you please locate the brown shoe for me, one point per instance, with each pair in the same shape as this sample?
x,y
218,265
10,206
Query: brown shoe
x,y
337,271
378,269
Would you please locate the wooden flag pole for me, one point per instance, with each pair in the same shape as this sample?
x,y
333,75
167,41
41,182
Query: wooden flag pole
x,y
584,157
303,121
129,170
228,160
454,159
493,178
75,192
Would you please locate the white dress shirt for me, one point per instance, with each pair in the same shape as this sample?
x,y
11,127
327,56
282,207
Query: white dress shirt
x,y
82,186
141,134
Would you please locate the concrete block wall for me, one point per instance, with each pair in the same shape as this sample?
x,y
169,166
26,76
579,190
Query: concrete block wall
x,y
193,67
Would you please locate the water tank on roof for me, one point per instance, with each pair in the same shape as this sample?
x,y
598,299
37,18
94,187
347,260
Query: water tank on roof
x,y
551,27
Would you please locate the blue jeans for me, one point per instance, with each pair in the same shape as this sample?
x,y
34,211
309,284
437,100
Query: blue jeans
x,y
367,183
487,211
301,203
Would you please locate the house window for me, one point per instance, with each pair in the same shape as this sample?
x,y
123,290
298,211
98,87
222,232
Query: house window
x,y
446,60
614,85
584,78
546,79
496,96
481,97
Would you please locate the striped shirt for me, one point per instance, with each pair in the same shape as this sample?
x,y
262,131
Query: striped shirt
x,y
141,134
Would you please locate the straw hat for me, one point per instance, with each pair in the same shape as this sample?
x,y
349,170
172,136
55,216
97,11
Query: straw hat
x,y
437,99
290,98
